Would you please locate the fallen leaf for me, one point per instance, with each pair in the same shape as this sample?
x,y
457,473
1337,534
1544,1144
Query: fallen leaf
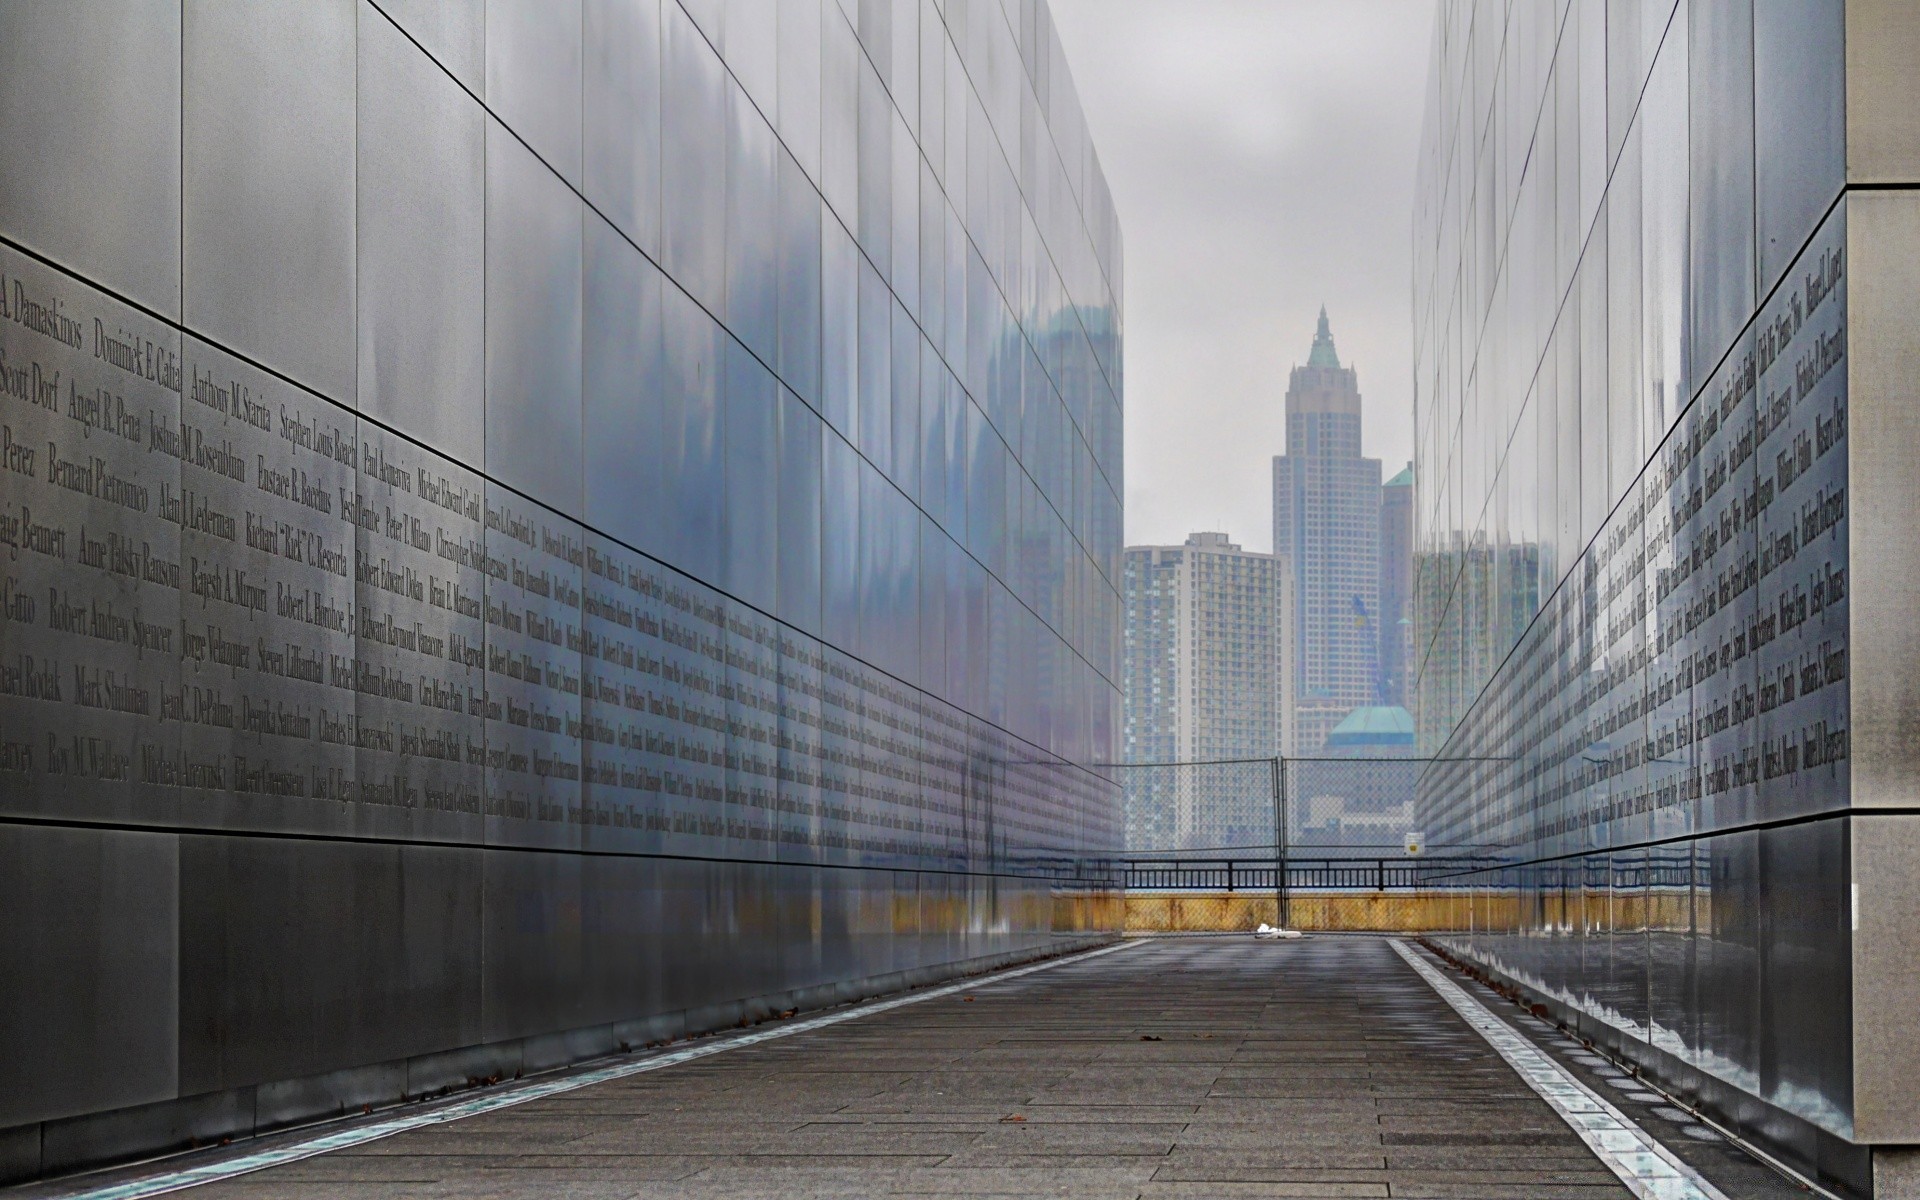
x,y
1015,1119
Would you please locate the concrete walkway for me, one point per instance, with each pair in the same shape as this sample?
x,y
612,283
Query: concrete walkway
x,y
1202,1067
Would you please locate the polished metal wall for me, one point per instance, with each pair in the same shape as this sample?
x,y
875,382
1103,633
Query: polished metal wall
x,y
1639,356
528,527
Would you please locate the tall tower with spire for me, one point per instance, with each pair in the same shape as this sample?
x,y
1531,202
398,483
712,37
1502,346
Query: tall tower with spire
x,y
1326,523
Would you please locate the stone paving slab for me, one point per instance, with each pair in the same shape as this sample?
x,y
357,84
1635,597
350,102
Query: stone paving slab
x,y
1179,1068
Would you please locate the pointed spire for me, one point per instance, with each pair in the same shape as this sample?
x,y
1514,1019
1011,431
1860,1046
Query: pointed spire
x,y
1323,353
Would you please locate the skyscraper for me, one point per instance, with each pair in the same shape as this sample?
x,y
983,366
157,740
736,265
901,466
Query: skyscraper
x,y
547,519
1326,523
1208,678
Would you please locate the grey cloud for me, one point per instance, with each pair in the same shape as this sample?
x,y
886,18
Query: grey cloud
x,y
1261,156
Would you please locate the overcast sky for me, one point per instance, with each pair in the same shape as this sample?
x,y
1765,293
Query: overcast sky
x,y
1261,156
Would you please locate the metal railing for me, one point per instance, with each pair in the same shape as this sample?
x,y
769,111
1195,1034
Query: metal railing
x,y
1168,874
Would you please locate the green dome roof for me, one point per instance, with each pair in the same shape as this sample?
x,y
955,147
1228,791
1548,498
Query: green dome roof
x,y
1375,725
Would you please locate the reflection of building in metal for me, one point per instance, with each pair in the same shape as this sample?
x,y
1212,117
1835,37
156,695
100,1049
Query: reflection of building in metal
x,y
563,529
1474,602
1396,588
1326,523
1208,677
1667,298
1365,798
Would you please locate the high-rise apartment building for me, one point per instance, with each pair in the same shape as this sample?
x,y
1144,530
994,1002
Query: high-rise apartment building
x,y
1396,588
1326,523
532,527
1667,272
1208,678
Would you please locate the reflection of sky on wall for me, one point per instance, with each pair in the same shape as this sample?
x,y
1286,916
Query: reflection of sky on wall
x,y
1261,157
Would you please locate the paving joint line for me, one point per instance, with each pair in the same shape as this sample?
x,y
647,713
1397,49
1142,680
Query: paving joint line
x,y
261,1160
1643,1163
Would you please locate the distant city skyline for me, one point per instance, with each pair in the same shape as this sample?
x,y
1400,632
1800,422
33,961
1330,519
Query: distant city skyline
x,y
1261,159
1326,524
1208,678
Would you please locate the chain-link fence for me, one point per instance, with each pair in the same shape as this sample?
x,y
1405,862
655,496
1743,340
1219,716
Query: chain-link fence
x,y
1200,807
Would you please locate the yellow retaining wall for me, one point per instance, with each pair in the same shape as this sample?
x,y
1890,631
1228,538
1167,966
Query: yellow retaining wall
x,y
1371,912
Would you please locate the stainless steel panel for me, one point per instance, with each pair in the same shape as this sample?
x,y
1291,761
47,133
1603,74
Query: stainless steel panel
x,y
534,76
693,160
873,418
621,382
749,706
82,1032
908,351
840,544
91,576
1806,1048
300,956
904,255
751,49
622,776
267,243
838,401
840,64
531,909
626,951
798,544
1673,913
752,228
91,112
453,32
1800,124
798,302
1800,640
268,684
422,226
751,415
807,825
534,259
1721,142
690,481
419,642
535,662
709,17
874,228
1731,976
798,47
621,136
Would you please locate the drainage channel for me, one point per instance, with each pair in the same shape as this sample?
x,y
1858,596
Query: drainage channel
x,y
1658,1148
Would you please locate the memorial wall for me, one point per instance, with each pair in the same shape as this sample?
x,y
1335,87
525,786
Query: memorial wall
x,y
1641,364
529,530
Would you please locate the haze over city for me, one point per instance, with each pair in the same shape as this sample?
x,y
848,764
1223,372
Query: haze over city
x,y
1261,158
1126,599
